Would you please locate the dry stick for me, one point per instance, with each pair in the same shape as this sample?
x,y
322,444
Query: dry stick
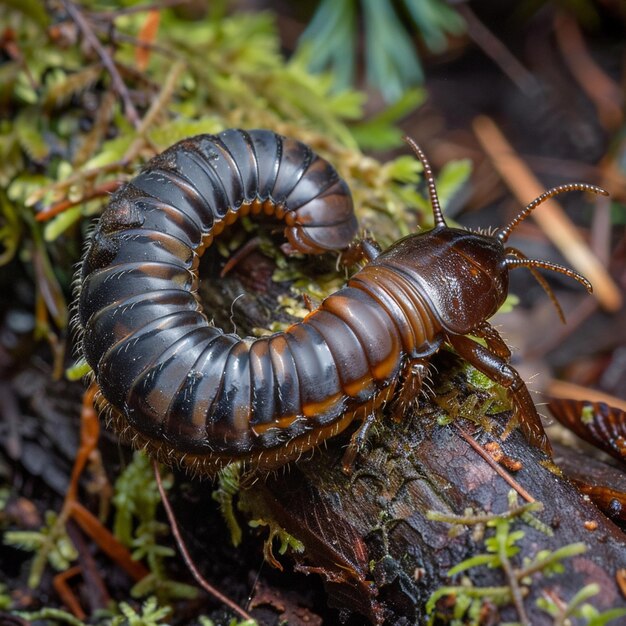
x,y
601,90
551,218
498,52
98,597
133,41
106,541
601,231
69,599
611,178
107,61
152,113
90,141
135,147
501,472
186,556
162,99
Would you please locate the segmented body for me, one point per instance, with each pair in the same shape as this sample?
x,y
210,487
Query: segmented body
x,y
170,375
192,393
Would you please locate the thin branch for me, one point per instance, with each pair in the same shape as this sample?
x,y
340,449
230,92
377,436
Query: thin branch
x,y
63,205
84,26
483,518
500,471
599,87
552,219
210,589
498,52
516,591
161,100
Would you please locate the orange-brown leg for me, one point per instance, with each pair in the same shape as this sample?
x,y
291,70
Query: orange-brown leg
x,y
494,341
357,441
497,369
89,433
412,379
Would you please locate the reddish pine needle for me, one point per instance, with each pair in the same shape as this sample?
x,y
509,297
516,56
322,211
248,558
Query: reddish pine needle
x,y
218,595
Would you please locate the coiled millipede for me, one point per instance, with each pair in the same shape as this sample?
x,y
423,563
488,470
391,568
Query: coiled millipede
x,y
192,393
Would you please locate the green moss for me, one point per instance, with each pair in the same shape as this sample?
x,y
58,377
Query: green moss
x,y
466,600
135,524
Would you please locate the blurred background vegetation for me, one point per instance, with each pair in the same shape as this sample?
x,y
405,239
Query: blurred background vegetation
x,y
89,90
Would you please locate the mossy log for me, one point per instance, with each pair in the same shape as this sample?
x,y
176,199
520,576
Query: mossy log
x,y
370,535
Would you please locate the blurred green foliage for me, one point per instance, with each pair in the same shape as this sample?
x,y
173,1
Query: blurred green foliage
x,y
330,42
136,501
465,602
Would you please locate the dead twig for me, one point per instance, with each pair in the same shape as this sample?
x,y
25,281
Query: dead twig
x,y
68,597
498,52
210,589
496,468
59,207
600,89
106,541
91,38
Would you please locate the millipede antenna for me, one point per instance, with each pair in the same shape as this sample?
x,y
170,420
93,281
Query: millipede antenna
x,y
546,265
430,182
503,233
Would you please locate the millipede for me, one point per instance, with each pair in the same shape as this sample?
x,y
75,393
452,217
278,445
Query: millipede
x,y
193,394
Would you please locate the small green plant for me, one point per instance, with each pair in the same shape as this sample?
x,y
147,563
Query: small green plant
x,y
135,524
50,544
50,615
150,614
501,548
228,485
501,552
578,607
286,540
255,508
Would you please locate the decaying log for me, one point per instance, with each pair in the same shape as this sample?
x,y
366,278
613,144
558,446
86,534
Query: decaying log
x,y
369,535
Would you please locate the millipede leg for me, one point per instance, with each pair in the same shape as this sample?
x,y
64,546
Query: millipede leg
x,y
498,370
494,341
250,246
309,304
357,441
413,376
366,249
